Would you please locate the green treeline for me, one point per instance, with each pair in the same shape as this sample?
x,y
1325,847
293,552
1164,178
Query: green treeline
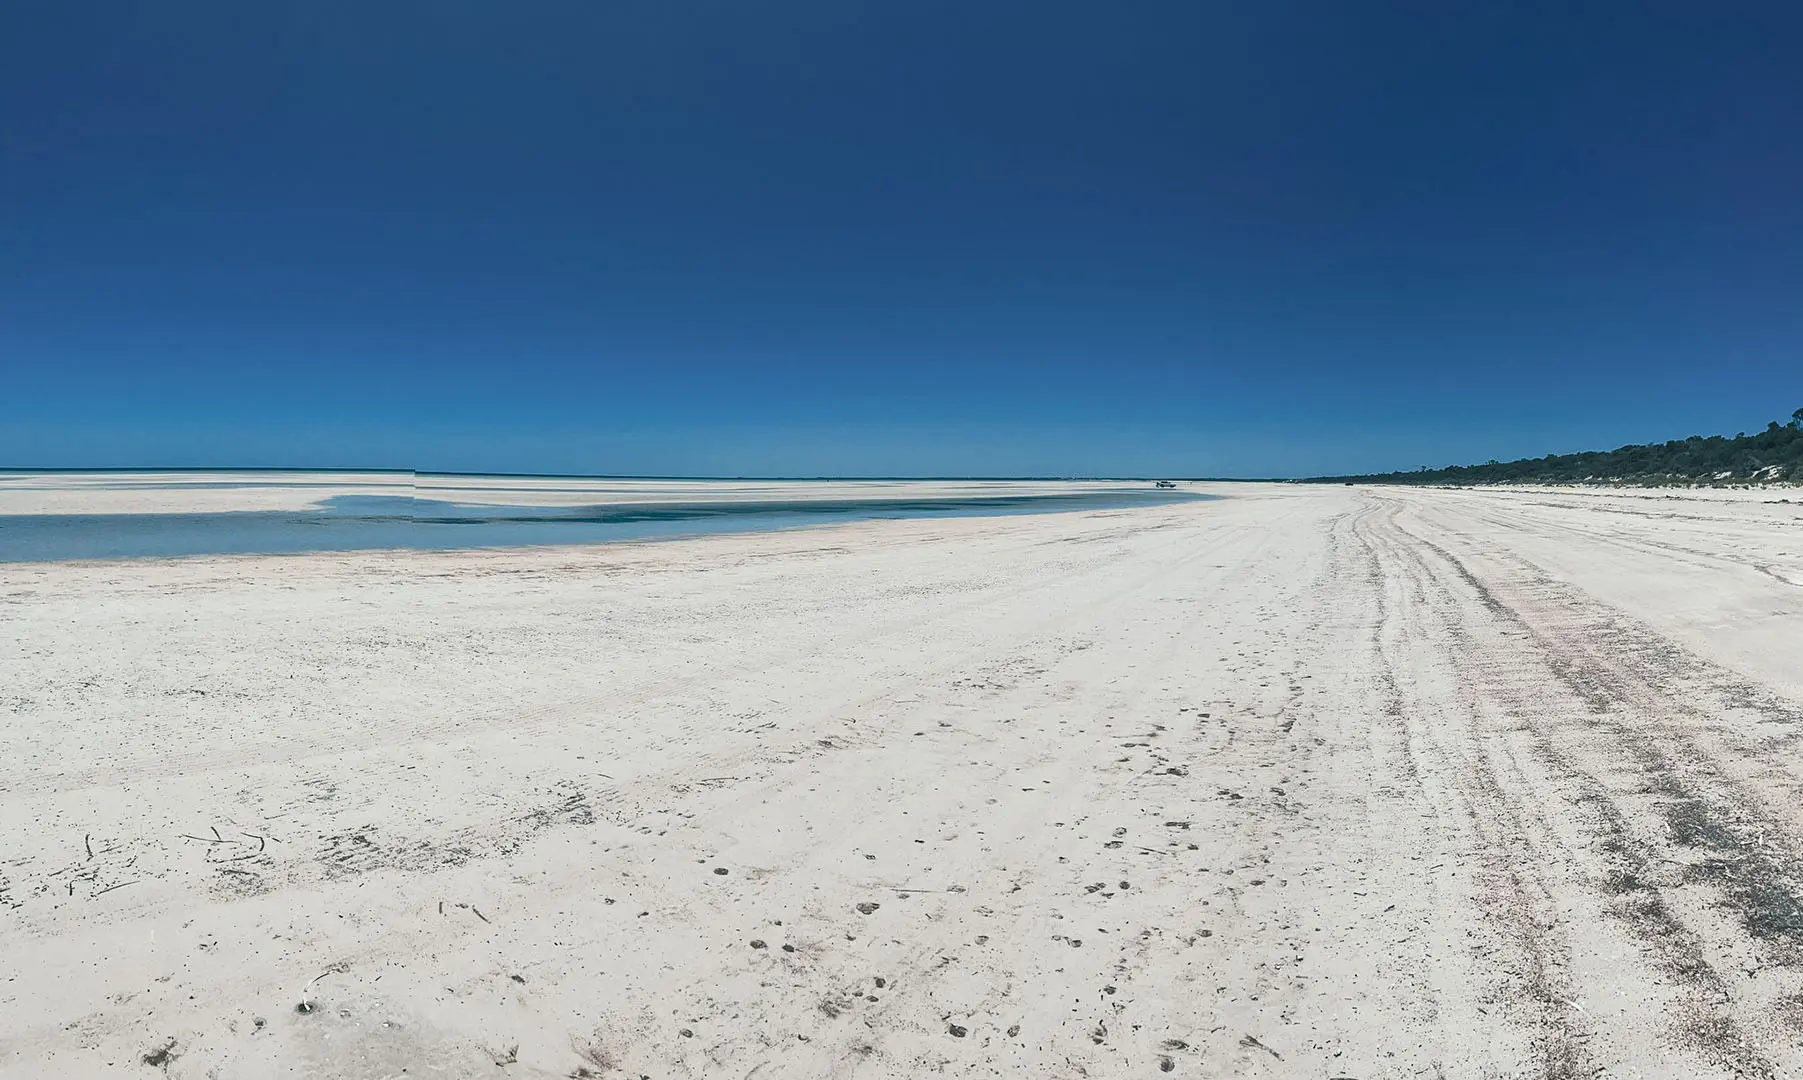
x,y
1775,454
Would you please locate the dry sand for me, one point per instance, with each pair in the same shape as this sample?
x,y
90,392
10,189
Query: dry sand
x,y
1311,782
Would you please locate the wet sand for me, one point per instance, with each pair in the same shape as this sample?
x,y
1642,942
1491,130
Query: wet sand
x,y
1304,782
204,492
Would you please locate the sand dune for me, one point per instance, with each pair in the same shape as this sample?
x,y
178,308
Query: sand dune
x,y
1312,782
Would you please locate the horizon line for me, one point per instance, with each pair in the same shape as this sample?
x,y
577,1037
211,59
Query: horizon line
x,y
824,478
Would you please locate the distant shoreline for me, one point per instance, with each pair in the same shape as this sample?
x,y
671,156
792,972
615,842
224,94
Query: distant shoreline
x,y
138,470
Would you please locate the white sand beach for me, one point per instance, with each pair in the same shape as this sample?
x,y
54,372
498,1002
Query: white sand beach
x,y
1305,782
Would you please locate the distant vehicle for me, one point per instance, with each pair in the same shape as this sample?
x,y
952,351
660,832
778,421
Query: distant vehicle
x,y
1164,484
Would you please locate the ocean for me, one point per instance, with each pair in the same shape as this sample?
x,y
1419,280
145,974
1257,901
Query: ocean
x,y
557,514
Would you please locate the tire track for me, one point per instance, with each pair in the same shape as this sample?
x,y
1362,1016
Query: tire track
x,y
1618,678
1514,898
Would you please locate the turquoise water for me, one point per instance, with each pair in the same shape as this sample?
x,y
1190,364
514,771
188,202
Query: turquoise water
x,y
365,522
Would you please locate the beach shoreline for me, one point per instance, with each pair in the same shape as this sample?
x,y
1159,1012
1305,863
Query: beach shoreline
x,y
1366,780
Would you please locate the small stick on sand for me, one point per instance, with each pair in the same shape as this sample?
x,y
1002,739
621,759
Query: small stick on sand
x,y
87,841
110,888
307,1004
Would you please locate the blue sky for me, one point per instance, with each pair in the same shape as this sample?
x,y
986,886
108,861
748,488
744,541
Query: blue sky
x,y
806,238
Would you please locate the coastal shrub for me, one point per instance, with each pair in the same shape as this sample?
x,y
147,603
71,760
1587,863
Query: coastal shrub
x,y
1772,455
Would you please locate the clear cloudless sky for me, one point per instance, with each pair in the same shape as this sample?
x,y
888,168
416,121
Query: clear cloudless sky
x,y
813,237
